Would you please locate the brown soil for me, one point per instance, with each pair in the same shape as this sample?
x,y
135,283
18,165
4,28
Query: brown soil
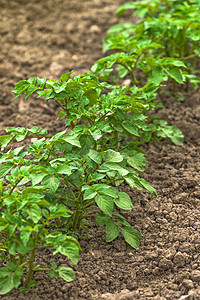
x,y
49,38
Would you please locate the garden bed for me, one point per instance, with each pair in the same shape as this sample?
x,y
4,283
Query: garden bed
x,y
47,39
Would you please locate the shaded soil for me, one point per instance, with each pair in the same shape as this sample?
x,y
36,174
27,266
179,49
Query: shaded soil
x,y
49,38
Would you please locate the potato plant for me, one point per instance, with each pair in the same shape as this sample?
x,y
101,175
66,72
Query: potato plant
x,y
49,189
173,25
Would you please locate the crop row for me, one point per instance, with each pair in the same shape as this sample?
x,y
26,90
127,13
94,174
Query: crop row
x,y
48,190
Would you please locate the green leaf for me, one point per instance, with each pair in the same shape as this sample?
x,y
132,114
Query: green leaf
x,y
123,201
131,128
6,284
20,87
58,135
148,186
112,230
137,161
63,169
157,75
37,178
41,82
30,91
66,273
175,73
130,5
113,166
112,156
95,156
5,140
89,194
71,140
101,219
68,249
5,168
105,203
35,213
131,236
51,182
32,80
65,76
87,142
92,95
24,236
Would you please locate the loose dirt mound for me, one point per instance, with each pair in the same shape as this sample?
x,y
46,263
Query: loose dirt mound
x,y
46,39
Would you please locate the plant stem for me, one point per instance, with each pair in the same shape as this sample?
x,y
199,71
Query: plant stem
x,y
30,269
50,153
14,186
89,204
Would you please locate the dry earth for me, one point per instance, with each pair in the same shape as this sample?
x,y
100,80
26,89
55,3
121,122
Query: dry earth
x,y
49,38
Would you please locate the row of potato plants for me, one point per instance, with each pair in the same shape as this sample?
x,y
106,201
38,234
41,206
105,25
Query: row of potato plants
x,y
52,188
163,44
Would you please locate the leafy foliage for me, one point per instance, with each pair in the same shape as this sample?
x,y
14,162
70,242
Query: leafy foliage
x,y
48,190
173,25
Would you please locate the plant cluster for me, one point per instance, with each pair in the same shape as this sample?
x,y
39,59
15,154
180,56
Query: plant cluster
x,y
163,44
51,188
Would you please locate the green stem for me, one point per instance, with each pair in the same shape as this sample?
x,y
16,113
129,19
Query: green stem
x,y
76,217
30,269
72,183
15,185
21,261
114,180
87,216
131,73
89,204
174,86
50,153
31,266
144,77
103,116
89,120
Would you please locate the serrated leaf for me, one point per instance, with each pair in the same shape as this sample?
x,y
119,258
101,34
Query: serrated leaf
x,y
131,236
123,201
112,230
